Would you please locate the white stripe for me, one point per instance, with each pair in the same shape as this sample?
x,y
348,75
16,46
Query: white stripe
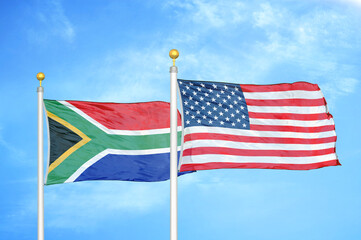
x,y
241,159
287,109
116,132
256,146
102,154
296,94
294,123
253,133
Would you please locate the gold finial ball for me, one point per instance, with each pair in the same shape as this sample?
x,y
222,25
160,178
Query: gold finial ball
x,y
40,76
173,53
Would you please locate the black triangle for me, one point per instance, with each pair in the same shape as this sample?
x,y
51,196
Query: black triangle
x,y
61,139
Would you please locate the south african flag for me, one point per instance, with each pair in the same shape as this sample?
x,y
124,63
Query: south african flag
x,y
108,141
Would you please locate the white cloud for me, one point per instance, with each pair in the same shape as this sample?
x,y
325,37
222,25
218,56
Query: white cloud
x,y
348,85
356,3
53,22
267,16
13,152
211,13
84,205
338,87
133,75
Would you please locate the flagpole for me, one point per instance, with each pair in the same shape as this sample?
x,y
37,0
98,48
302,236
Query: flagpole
x,y
40,76
173,148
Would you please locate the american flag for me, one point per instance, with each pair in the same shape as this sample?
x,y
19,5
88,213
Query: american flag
x,y
281,126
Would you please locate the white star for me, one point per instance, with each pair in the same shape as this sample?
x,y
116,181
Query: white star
x,y
185,103
210,121
220,113
198,112
226,110
199,89
199,121
243,116
187,112
214,86
193,117
236,88
215,117
214,109
191,84
242,107
224,100
237,111
218,95
208,103
196,103
206,94
180,82
229,97
227,119
203,107
222,91
222,123
244,125
239,98
225,87
232,93
192,107
209,113
194,93
213,99
210,90
238,120
188,122
235,102
220,104
232,115
190,97
204,117
187,87
233,124
202,85
183,92
231,106
201,98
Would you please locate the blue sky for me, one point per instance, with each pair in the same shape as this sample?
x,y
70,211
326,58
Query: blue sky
x,y
118,51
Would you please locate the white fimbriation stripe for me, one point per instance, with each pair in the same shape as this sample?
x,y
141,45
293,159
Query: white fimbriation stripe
x,y
293,123
102,154
297,94
206,158
253,133
287,109
116,132
256,146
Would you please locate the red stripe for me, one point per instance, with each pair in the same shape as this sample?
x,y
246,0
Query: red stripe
x,y
218,165
292,128
256,152
287,102
305,86
235,138
128,116
290,116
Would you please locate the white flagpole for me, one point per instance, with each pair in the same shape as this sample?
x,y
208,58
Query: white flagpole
x,y
40,76
173,148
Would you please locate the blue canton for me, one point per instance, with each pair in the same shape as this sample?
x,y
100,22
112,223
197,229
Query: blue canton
x,y
213,104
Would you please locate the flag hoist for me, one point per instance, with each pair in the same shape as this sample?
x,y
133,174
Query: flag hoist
x,y
173,148
40,76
